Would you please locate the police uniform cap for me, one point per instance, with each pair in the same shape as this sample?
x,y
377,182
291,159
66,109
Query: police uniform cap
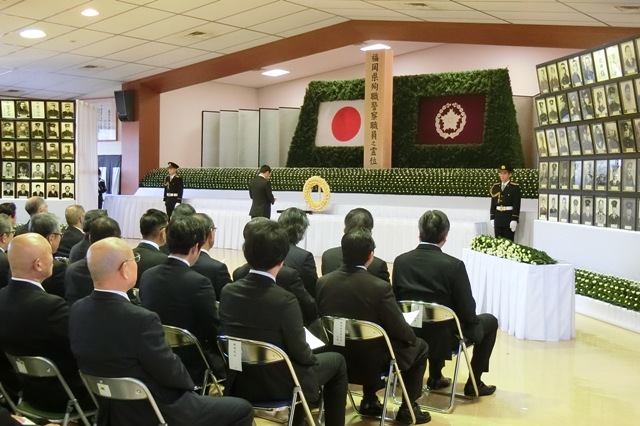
x,y
506,167
614,203
173,165
52,145
587,202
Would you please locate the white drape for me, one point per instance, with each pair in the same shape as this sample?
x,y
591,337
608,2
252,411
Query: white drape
x,y
86,155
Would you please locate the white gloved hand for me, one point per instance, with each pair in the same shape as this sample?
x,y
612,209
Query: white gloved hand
x,y
492,223
513,225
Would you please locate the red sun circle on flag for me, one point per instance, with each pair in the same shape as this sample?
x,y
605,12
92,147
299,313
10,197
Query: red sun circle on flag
x,y
346,124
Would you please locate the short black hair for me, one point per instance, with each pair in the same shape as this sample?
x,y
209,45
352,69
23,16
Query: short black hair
x,y
104,227
358,218
90,216
265,168
434,226
183,232
357,245
152,221
265,244
183,209
295,222
9,209
206,222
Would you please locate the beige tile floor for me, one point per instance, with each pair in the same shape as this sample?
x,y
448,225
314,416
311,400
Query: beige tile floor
x,y
592,380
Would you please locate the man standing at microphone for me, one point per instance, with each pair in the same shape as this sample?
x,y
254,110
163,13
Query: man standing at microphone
x,y
172,188
505,204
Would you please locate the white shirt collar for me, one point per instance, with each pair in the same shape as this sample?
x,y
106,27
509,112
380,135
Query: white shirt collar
x,y
120,293
180,259
151,243
263,273
36,283
205,252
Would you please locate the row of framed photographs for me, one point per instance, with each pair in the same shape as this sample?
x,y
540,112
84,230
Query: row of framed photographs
x,y
601,101
591,175
51,110
38,189
34,170
601,65
36,150
599,137
37,130
609,212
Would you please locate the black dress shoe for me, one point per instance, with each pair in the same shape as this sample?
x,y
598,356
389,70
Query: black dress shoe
x,y
483,390
439,383
404,416
371,408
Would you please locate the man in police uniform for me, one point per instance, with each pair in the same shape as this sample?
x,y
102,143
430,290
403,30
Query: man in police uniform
x,y
172,188
505,204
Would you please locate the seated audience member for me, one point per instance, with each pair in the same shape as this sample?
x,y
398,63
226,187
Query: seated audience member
x,y
74,215
332,258
111,337
256,308
35,323
295,222
352,292
79,251
182,209
6,235
429,275
47,225
10,210
33,205
206,265
182,297
287,278
77,279
153,226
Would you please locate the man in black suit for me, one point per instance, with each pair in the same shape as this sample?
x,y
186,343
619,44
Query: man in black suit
x,y
131,343
173,188
77,279
256,308
32,206
295,222
35,323
428,274
79,250
37,192
182,297
47,225
8,190
153,225
215,270
6,235
286,278
332,258
352,292
261,194
74,215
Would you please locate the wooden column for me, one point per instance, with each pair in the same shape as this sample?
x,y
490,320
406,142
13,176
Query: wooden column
x,y
378,108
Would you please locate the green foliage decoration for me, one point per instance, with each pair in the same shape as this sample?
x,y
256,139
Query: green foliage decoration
x,y
406,181
608,288
501,142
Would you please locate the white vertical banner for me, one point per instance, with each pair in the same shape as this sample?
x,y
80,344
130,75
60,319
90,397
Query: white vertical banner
x,y
210,138
288,122
248,134
378,95
228,139
270,137
86,166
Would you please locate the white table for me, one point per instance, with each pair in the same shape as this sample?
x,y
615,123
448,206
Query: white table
x,y
532,302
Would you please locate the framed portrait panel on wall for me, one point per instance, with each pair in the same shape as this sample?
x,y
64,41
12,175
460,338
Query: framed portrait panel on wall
x,y
574,106
629,58
552,74
67,130
553,175
53,130
38,110
588,70
67,171
67,150
8,170
68,110
564,178
636,127
613,99
563,210
613,216
37,130
586,104
553,207
543,81
576,73
541,143
67,190
599,142
543,210
22,150
53,150
587,210
613,140
23,170
23,190
563,108
576,175
22,109
627,140
552,110
613,59
563,71
8,129
628,97
628,214
551,142
629,174
8,109
600,214
37,189
53,171
588,175
614,174
53,110
600,102
37,170
541,109
601,175
543,173
8,190
602,71
22,130
563,143
574,140
53,190
575,209
37,150
8,149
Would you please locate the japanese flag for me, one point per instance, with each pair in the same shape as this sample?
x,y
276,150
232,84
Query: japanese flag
x,y
341,123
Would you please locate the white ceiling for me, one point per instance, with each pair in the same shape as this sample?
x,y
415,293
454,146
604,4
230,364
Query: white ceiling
x,y
84,57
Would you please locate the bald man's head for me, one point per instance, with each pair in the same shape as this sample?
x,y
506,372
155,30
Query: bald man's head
x,y
112,265
30,257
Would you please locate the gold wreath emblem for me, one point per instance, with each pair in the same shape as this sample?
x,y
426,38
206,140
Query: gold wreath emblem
x,y
313,181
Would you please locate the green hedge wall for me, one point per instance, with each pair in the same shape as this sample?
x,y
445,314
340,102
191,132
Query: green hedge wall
x,y
448,182
501,136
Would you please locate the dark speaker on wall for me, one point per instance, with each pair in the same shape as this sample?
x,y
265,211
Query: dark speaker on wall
x,y
124,104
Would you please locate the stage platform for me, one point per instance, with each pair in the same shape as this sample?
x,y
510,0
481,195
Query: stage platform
x,y
396,217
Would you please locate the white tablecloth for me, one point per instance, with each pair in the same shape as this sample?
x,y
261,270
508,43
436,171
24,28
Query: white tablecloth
x,y
393,235
533,302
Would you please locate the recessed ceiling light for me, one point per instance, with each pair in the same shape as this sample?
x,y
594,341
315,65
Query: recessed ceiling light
x,y
378,46
32,33
275,73
90,12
